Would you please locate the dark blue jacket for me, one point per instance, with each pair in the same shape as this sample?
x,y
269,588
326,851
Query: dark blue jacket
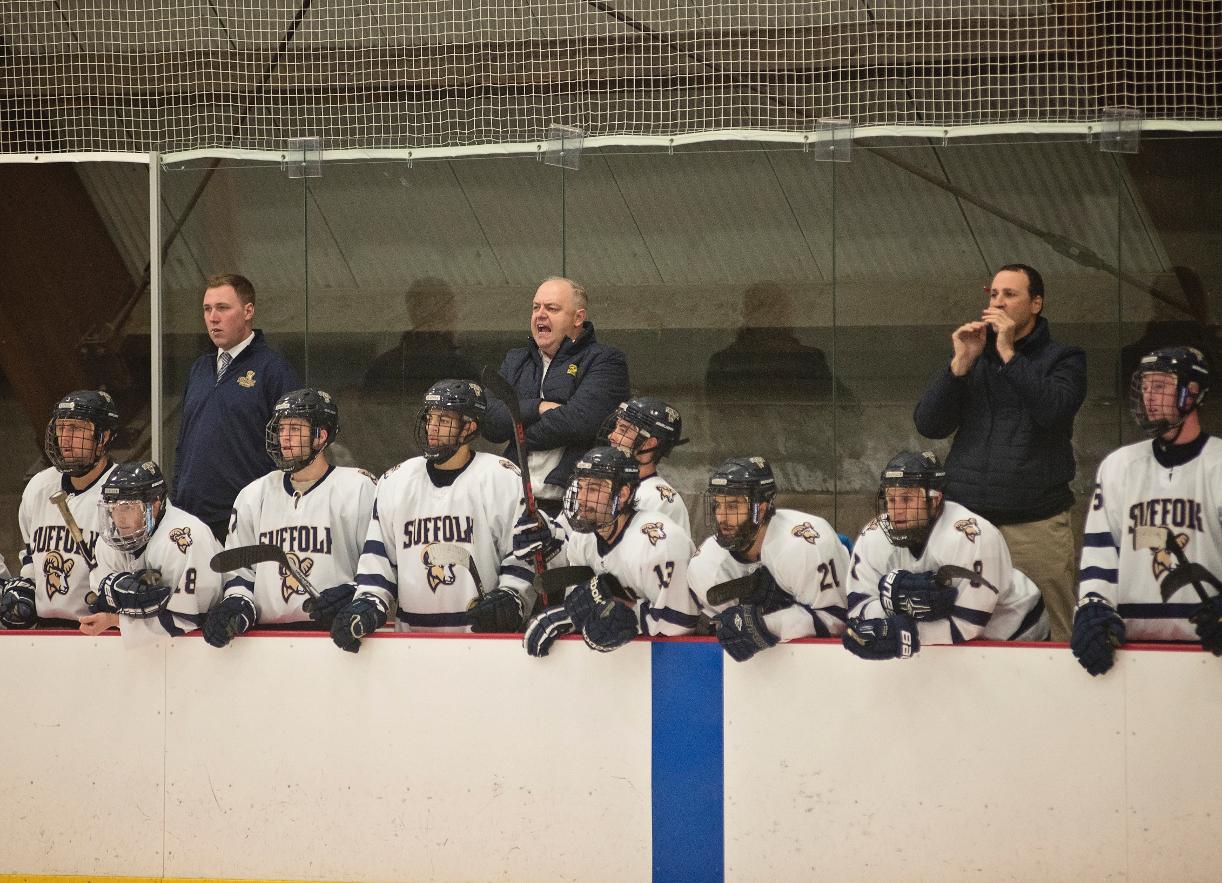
x,y
586,378
220,446
1012,457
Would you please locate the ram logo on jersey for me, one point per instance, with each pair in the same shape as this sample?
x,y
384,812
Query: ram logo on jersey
x,y
55,567
1164,559
654,531
666,493
968,527
806,531
1166,512
513,467
438,529
51,538
181,537
437,574
299,538
288,583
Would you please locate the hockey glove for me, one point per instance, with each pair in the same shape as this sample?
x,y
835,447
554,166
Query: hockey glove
x,y
612,625
742,632
132,594
232,617
1097,631
894,637
1208,620
768,594
17,609
588,599
531,534
544,629
918,595
329,602
499,611
356,620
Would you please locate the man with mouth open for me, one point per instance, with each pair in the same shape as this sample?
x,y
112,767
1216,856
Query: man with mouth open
x,y
567,384
228,401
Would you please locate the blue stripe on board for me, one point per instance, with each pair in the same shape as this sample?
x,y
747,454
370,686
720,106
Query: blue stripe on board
x,y
688,763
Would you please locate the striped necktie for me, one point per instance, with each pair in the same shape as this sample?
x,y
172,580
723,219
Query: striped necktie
x,y
223,366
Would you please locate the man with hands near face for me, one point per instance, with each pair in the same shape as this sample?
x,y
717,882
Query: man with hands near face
x,y
1009,396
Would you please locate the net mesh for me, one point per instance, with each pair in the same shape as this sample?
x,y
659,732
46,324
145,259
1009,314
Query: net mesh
x,y
448,76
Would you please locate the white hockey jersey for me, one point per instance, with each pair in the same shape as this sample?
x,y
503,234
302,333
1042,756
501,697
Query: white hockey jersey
x,y
50,557
476,511
805,557
650,559
656,494
321,531
1132,489
180,548
1013,611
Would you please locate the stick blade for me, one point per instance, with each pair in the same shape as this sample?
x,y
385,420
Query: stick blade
x,y
245,556
731,590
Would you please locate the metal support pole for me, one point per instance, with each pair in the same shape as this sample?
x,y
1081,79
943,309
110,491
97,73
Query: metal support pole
x,y
155,409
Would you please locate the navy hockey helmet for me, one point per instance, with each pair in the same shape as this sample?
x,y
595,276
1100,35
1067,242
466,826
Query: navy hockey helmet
x,y
71,447
133,501
294,446
910,497
1160,404
636,421
439,435
734,501
594,498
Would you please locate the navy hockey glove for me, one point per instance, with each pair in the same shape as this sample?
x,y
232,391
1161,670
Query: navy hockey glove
x,y
232,617
531,534
894,637
918,595
588,599
329,602
356,620
1208,620
767,594
499,611
544,629
612,625
132,594
17,609
742,632
1097,631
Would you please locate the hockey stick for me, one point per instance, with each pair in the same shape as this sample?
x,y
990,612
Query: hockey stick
x,y
731,590
248,556
1184,573
948,572
60,499
500,388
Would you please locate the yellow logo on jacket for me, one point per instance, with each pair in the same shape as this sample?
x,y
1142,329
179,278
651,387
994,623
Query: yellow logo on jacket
x,y
247,380
572,370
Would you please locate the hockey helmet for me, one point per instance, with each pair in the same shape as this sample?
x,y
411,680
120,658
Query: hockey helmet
x,y
910,497
439,435
71,448
132,503
304,444
1160,404
594,498
734,501
636,421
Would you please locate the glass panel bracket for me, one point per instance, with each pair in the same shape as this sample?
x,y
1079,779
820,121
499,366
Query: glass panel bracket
x,y
564,147
303,158
833,140
1120,130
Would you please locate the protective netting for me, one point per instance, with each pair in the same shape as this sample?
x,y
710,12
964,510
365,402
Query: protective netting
x,y
121,77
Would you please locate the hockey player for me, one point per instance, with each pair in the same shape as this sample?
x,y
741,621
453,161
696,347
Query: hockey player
x,y
316,512
451,496
54,567
1153,539
152,578
647,429
639,560
900,597
797,560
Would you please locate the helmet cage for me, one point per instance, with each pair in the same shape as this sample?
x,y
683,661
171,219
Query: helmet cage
x,y
74,439
1186,365
916,527
651,418
457,432
589,507
745,531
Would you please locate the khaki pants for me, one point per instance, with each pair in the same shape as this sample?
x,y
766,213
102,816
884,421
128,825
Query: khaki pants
x,y
1044,550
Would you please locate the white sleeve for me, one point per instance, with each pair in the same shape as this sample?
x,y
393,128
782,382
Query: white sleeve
x,y
514,574
1099,569
196,588
869,557
27,553
244,531
377,571
674,610
813,574
990,557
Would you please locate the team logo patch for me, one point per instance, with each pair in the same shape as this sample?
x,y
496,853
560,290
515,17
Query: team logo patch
x,y
666,493
1164,559
247,380
654,531
968,527
367,474
806,531
437,574
288,583
513,467
872,524
56,567
390,470
572,370
181,537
